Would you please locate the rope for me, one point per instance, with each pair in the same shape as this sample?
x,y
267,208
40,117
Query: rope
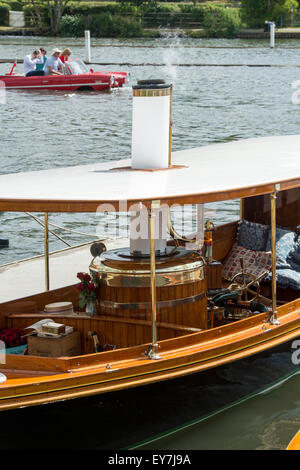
x,y
51,231
62,228
74,231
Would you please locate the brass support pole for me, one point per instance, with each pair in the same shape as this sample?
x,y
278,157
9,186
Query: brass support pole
x,y
46,252
241,209
273,320
153,352
170,126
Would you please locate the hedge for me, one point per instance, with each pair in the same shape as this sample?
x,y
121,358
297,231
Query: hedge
x,y
221,22
126,20
4,14
101,25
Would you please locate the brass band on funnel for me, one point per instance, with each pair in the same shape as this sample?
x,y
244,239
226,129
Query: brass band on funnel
x,y
152,92
116,269
127,278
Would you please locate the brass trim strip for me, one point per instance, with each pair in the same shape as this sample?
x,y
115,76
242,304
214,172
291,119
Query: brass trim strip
x,y
143,280
152,93
147,305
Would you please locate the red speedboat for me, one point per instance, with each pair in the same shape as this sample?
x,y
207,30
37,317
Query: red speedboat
x,y
76,77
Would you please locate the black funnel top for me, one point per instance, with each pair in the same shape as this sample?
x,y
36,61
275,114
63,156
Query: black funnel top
x,y
151,84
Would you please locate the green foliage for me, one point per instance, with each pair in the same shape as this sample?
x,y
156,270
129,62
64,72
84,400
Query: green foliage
x,y
125,18
101,25
72,26
255,12
14,5
196,34
221,22
92,8
107,25
196,13
155,14
4,14
138,3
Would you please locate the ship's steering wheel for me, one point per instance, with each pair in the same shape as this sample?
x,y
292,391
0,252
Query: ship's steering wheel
x,y
246,284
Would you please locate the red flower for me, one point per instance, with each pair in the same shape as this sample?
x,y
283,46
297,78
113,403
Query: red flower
x,y
87,278
80,287
80,276
91,287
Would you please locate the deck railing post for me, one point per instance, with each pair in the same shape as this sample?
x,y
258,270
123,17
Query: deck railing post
x,y
273,319
153,352
46,252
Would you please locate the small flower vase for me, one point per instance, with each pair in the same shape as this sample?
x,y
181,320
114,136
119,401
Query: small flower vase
x,y
90,308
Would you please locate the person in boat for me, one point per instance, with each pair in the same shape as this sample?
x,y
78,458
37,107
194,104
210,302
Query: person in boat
x,y
53,64
65,55
30,63
41,66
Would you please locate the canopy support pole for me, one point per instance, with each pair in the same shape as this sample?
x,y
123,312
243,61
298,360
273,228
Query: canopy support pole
x,y
46,252
153,350
273,319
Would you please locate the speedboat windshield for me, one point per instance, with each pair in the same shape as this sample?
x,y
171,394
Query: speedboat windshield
x,y
77,66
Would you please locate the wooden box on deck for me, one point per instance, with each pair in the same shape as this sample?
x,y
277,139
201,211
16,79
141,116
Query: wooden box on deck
x,y
68,345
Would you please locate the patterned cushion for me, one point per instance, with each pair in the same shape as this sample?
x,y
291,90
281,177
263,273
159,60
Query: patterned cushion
x,y
285,246
252,236
255,262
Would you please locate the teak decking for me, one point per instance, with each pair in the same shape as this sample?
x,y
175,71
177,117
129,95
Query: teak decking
x,y
128,367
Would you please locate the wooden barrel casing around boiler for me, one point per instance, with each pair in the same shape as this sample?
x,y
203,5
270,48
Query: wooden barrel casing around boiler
x,y
124,287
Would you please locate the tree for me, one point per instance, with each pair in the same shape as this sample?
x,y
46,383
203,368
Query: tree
x,y
255,12
45,11
56,10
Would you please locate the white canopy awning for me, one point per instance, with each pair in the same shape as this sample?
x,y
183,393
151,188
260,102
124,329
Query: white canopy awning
x,y
215,172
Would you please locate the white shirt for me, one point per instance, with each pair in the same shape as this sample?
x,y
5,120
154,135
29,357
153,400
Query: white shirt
x,y
30,63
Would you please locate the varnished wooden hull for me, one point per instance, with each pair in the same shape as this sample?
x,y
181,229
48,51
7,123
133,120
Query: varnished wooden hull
x,y
123,418
36,380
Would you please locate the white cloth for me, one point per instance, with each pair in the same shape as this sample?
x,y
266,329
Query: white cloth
x,y
30,63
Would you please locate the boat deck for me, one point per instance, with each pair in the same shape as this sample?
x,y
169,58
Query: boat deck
x,y
29,274
61,378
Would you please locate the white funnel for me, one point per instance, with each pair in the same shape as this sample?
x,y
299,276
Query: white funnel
x,y
150,125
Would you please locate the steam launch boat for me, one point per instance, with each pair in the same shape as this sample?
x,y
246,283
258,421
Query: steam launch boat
x,y
168,307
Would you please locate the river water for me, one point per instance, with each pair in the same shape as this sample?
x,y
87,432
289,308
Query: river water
x,y
243,98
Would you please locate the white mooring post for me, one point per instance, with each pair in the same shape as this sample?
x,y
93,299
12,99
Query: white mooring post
x,y
87,38
272,34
